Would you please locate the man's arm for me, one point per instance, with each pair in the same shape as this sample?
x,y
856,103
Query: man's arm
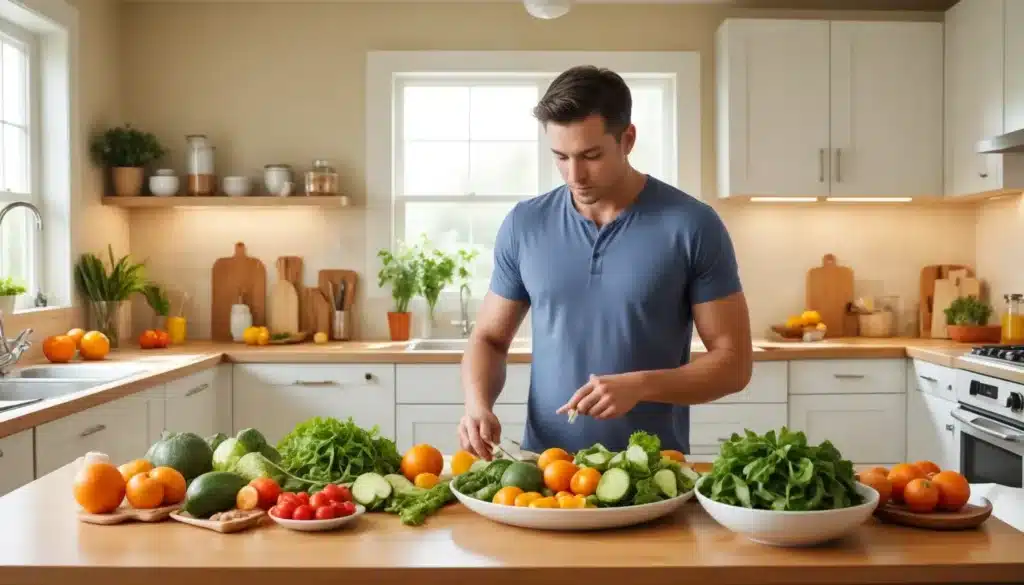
x,y
483,364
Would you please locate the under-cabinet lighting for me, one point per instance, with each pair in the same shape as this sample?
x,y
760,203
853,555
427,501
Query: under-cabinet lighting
x,y
869,199
783,199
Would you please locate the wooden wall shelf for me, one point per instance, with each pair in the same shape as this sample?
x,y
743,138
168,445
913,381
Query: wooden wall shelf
x,y
153,202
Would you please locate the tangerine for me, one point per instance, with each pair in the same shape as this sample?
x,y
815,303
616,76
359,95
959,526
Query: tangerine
x,y
552,454
421,458
584,482
173,482
94,346
99,488
133,468
76,334
921,495
59,349
144,492
506,496
900,475
558,475
880,483
927,467
954,490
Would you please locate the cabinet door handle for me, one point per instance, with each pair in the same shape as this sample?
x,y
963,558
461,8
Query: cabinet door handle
x,y
928,378
197,389
849,376
839,165
950,428
315,384
92,430
821,165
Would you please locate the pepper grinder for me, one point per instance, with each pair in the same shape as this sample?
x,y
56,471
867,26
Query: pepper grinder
x,y
241,319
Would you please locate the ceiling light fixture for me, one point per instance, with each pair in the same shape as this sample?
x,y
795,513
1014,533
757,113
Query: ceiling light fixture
x,y
547,9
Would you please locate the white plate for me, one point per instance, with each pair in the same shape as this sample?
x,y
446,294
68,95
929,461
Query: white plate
x,y
577,519
319,525
792,528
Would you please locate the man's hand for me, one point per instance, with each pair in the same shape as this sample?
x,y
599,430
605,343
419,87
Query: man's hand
x,y
606,397
477,430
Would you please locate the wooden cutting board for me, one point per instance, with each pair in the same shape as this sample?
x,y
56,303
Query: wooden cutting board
x,y
829,290
316,311
283,313
946,291
929,274
290,268
336,276
233,277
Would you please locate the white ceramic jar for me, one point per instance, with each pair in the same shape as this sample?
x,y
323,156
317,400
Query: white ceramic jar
x,y
164,183
277,179
241,319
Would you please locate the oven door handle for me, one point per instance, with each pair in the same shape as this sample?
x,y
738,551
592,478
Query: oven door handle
x,y
1016,438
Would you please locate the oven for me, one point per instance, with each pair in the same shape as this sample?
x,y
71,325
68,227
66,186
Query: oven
x,y
991,451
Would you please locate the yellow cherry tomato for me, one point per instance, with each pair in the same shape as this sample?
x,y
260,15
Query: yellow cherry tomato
x,y
525,499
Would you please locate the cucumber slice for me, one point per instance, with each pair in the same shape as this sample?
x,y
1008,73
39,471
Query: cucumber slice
x,y
399,483
617,459
613,486
665,479
636,455
370,488
596,460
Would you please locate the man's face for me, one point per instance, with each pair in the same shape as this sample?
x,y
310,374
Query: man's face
x,y
592,162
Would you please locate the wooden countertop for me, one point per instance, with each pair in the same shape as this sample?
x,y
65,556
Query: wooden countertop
x,y
43,542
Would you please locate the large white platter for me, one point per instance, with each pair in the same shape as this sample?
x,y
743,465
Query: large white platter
x,y
579,519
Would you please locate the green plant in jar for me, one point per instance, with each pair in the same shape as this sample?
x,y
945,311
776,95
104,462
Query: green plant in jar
x,y
439,269
108,291
401,270
967,311
125,146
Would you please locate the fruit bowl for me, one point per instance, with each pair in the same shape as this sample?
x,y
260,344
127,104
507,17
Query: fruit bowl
x,y
319,525
785,528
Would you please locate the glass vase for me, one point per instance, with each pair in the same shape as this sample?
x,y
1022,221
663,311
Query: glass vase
x,y
110,318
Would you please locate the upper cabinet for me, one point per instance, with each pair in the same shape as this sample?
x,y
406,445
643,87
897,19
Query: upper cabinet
x,y
1013,90
829,108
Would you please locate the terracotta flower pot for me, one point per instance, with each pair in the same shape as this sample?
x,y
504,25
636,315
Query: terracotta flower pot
x,y
399,325
974,333
128,181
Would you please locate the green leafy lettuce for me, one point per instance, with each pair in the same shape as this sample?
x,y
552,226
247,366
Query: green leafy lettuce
x,y
327,450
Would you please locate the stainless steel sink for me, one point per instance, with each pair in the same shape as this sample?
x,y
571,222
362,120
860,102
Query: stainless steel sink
x,y
102,372
458,345
42,389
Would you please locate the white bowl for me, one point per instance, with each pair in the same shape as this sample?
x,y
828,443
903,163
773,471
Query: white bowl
x,y
235,186
792,528
576,519
319,525
164,185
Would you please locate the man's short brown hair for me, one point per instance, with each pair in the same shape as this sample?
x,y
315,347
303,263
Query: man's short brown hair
x,y
583,91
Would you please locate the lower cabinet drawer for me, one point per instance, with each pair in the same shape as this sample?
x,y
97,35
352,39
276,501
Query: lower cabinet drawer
x,y
848,376
118,428
442,384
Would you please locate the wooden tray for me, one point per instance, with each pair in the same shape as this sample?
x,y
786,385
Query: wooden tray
x,y
127,513
970,516
250,520
294,338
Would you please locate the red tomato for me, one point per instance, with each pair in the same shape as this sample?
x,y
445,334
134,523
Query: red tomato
x,y
268,490
163,339
326,513
303,497
319,500
285,510
303,512
149,339
290,498
335,492
346,509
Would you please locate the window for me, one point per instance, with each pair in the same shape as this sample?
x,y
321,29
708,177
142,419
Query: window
x,y
455,144
20,244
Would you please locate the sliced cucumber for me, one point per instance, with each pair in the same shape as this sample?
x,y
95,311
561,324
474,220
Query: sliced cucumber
x,y
597,460
613,486
399,483
665,479
636,455
617,459
370,488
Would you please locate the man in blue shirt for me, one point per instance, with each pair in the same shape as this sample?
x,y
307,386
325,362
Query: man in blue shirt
x,y
617,268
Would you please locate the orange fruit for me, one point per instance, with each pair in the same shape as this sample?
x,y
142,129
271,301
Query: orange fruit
x,y
422,458
900,475
173,482
133,468
927,467
76,334
921,495
881,470
525,499
59,349
94,346
880,483
558,475
584,481
954,490
247,498
506,496
548,502
570,502
462,461
425,480
674,455
552,454
144,492
99,488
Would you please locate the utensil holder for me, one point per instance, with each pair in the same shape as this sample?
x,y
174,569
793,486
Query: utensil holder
x,y
339,326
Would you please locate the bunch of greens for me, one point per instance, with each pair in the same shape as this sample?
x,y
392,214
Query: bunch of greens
x,y
413,504
319,451
401,270
10,288
780,472
438,269
967,311
124,279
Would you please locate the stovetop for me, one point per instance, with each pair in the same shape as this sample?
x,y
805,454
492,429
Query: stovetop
x,y
1005,353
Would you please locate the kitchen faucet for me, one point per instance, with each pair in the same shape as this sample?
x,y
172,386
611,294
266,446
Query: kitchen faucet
x,y
11,350
464,322
35,211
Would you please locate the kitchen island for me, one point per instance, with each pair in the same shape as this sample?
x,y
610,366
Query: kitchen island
x,y
42,542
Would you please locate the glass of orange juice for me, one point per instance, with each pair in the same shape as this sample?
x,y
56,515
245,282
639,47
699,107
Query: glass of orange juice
x,y
176,329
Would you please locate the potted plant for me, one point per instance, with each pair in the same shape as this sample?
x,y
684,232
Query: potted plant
x,y
126,151
438,270
108,292
967,321
157,299
401,270
9,291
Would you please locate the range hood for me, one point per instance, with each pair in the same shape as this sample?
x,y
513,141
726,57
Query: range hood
x,y
1004,143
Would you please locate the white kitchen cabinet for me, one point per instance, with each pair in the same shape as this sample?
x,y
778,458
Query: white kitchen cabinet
x,y
933,379
847,376
200,403
1013,68
273,398
442,384
769,383
713,424
886,118
437,424
974,94
866,428
819,108
17,464
118,428
932,430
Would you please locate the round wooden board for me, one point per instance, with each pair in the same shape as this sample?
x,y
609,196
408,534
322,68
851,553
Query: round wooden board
x,y
126,513
970,516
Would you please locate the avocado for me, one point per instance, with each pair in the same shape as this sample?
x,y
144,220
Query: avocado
x,y
525,476
212,492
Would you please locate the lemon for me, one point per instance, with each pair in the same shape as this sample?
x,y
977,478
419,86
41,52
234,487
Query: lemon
x,y
811,318
251,335
263,338
320,337
794,322
821,327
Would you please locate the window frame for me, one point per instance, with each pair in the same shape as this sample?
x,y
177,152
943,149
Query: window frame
x,y
386,69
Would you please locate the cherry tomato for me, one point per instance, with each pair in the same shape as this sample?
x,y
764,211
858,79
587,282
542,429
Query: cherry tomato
x,y
303,498
347,509
319,500
289,497
285,510
326,513
303,512
336,492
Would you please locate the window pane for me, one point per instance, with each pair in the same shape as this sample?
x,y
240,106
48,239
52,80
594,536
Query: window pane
x,y
17,241
446,224
435,168
503,113
15,159
648,155
436,113
14,85
503,168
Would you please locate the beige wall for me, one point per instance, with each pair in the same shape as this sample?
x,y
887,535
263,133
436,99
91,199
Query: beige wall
x,y
285,83
1000,249
98,107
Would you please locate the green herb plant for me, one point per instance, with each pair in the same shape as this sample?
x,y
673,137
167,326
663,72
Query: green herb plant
x,y
156,298
439,269
107,290
400,269
967,311
9,287
125,146
780,472
319,451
